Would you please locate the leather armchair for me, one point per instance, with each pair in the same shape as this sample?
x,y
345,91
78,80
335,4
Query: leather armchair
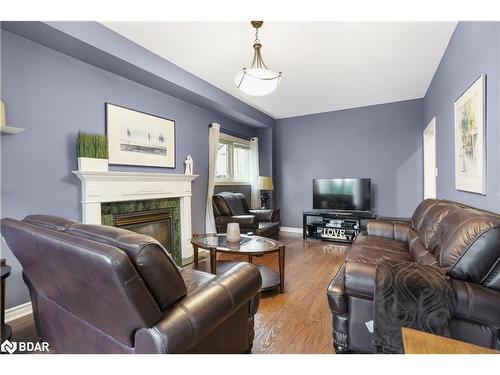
x,y
184,326
233,208
100,289
462,240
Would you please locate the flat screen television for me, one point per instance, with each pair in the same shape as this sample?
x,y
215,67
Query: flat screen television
x,y
343,194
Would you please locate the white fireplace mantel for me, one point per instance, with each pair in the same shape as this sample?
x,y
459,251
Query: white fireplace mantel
x,y
101,187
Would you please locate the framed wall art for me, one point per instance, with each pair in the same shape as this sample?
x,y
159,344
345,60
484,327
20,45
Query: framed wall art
x,y
138,138
470,138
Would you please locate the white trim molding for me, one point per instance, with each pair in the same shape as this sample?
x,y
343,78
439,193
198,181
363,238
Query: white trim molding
x,y
18,311
291,230
100,187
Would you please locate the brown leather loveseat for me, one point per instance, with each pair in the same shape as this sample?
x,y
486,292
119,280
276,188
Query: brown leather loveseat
x,y
99,289
233,208
462,240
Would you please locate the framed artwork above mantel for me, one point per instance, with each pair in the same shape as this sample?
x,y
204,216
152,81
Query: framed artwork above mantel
x,y
139,138
470,138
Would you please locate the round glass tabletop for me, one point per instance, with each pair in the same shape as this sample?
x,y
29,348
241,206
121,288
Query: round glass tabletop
x,y
246,245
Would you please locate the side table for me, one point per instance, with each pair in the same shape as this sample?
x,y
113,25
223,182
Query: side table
x,y
418,342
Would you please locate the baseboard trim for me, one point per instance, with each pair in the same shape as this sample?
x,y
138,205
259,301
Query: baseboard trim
x,y
291,230
18,311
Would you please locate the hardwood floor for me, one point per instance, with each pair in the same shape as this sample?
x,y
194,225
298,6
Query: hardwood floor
x,y
298,321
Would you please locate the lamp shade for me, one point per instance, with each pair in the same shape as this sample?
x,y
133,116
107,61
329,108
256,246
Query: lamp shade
x,y
257,81
3,121
265,183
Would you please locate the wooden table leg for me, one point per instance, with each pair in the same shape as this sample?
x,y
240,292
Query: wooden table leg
x,y
213,261
250,259
195,257
282,268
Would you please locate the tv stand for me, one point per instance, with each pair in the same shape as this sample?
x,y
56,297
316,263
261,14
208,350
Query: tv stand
x,y
338,226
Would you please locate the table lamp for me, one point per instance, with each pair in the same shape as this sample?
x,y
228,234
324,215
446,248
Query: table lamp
x,y
265,185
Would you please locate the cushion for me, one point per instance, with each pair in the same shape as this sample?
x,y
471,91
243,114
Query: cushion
x,y
433,217
420,212
362,260
152,261
421,254
50,222
466,243
194,278
229,204
379,243
392,229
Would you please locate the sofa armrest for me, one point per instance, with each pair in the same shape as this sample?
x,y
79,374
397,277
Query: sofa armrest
x,y
245,221
201,312
267,215
392,229
477,303
337,298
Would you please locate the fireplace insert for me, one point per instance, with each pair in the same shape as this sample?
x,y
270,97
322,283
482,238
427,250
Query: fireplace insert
x,y
154,223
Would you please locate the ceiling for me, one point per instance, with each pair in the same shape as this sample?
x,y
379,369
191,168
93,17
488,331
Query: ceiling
x,y
326,66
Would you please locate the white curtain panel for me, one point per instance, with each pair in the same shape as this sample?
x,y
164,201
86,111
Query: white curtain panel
x,y
213,144
254,172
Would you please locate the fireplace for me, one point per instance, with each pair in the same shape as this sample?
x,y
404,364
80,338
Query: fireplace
x,y
108,194
154,223
158,218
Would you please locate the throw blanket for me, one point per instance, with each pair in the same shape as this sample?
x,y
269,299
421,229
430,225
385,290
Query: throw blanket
x,y
410,295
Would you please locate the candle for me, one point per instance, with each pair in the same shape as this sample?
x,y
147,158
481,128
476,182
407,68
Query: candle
x,y
233,232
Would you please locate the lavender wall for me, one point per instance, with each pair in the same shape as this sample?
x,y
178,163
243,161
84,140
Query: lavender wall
x,y
382,142
53,96
474,49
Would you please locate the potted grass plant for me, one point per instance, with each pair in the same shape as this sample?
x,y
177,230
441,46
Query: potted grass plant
x,y
92,152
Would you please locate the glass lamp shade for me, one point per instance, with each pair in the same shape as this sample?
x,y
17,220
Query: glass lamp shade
x,y
257,81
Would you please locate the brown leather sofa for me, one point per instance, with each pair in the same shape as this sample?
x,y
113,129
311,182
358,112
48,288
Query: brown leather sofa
x,y
463,240
99,289
233,208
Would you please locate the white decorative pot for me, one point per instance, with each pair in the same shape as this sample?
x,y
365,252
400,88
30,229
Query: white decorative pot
x,y
233,232
92,165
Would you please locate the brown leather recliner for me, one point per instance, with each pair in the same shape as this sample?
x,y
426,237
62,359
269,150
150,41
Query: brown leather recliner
x,y
462,240
99,289
233,208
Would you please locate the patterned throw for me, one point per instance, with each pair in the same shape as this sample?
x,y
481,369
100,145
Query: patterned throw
x,y
410,295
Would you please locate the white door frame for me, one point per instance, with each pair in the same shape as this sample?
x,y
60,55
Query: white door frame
x,y
429,159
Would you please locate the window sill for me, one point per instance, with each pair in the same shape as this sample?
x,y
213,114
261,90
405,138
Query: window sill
x,y
228,183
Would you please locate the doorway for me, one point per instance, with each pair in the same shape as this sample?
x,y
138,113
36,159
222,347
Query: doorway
x,y
430,170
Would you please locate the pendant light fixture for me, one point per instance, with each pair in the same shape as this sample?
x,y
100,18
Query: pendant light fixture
x,y
258,80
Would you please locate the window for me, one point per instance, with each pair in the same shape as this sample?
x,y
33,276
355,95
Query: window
x,y
233,157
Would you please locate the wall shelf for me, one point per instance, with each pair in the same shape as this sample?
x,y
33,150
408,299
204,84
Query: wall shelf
x,y
10,130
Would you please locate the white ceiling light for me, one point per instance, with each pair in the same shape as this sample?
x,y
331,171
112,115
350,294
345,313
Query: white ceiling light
x,y
258,80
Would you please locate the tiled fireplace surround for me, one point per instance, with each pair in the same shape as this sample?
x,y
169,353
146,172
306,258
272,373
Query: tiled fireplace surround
x,y
107,194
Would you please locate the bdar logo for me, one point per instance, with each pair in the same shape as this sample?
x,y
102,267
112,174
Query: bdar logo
x,y
22,346
8,347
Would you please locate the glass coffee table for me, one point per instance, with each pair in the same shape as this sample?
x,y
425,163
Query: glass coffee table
x,y
250,246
